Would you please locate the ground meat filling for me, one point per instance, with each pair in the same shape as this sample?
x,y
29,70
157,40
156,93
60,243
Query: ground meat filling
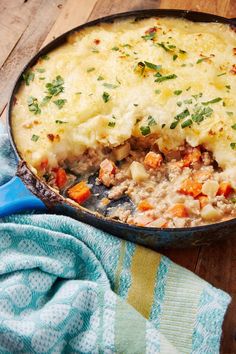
x,y
145,187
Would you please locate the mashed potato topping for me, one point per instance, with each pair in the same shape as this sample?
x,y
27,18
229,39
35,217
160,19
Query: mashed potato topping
x,y
173,78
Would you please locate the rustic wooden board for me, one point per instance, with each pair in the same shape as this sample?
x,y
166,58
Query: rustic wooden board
x,y
25,26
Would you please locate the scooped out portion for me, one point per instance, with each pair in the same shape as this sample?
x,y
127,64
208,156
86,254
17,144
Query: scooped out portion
x,y
136,119
182,188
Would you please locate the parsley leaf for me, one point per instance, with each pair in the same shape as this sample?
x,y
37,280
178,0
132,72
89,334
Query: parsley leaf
x,y
55,87
201,60
100,78
233,146
115,49
175,56
201,113
151,121
111,124
187,123
215,100
145,130
111,86
105,97
90,69
27,77
60,122
233,126
149,36
164,78
45,57
33,105
152,66
40,70
35,138
178,92
60,103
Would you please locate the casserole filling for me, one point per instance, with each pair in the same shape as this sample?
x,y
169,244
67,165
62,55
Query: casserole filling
x,y
136,119
184,187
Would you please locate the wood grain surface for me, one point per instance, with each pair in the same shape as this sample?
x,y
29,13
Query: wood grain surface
x,y
27,25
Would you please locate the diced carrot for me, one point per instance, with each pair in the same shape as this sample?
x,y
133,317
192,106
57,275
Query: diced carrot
x,y
80,192
44,164
203,200
61,178
144,205
224,189
194,155
106,172
190,187
202,175
153,160
151,30
179,210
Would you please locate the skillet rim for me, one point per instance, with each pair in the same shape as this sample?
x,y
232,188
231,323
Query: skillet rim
x,y
193,16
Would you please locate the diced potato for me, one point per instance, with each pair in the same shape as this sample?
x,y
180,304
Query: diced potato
x,y
121,152
193,206
138,172
210,188
161,222
209,213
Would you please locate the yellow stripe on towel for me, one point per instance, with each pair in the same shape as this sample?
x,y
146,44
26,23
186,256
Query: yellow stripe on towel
x,y
144,268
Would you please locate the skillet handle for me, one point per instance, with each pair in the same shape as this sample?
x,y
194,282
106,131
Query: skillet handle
x,y
14,197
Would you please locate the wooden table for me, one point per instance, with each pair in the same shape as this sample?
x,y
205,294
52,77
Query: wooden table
x,y
27,25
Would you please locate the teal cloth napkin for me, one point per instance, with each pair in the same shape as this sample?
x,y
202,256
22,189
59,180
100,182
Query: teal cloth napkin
x,y
67,287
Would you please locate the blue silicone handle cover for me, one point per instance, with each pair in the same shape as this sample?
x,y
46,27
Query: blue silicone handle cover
x,y
15,197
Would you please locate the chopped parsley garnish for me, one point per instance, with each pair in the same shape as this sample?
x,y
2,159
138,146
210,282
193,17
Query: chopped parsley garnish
x,y
127,45
233,146
60,122
187,123
45,100
152,66
233,126
201,113
162,45
60,103
105,97
174,124
157,92
233,200
188,101
182,51
161,78
221,74
27,77
179,117
111,124
100,78
111,86
115,49
45,57
149,36
41,78
78,93
215,100
145,130
230,113
135,105
187,89
178,92
228,87
175,56
201,60
151,121
199,95
40,70
90,69
55,87
33,105
163,126
35,138
179,103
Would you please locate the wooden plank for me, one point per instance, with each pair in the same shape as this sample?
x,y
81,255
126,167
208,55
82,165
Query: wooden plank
x,y
186,257
74,13
107,7
29,43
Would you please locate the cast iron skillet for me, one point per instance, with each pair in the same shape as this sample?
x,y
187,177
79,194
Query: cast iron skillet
x,y
151,237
